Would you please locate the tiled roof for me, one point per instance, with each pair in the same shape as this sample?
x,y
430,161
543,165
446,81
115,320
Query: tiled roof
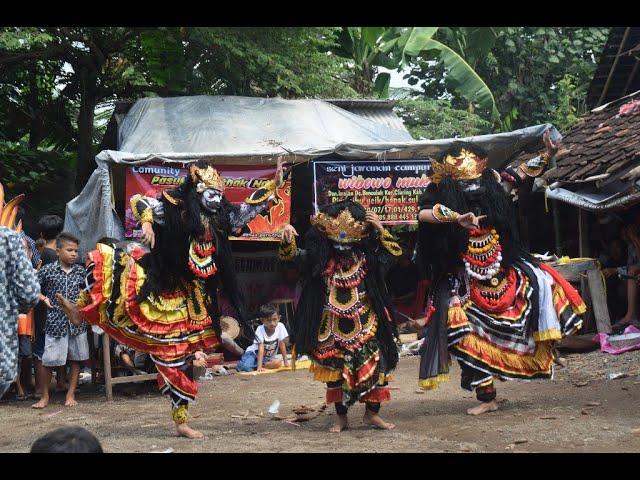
x,y
602,148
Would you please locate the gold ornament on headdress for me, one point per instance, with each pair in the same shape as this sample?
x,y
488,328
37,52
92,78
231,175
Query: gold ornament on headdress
x,y
206,178
343,228
466,166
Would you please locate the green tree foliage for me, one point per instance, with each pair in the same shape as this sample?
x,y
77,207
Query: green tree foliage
x,y
54,78
571,103
433,119
524,67
396,47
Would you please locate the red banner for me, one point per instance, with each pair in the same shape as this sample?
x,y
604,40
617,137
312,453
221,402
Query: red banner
x,y
240,182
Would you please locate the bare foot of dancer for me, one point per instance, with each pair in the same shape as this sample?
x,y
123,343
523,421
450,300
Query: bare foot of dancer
x,y
340,425
484,407
42,403
184,430
70,402
375,420
70,309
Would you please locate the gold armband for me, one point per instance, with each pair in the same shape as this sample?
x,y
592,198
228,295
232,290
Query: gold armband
x,y
262,194
390,243
146,215
287,251
170,199
444,214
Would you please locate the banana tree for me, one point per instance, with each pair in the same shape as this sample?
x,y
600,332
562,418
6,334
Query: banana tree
x,y
397,47
363,46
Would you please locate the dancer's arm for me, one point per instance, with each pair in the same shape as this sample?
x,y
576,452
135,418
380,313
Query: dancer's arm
x,y
149,210
257,202
514,176
388,241
442,214
288,249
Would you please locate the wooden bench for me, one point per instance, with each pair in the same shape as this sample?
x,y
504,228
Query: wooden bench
x,y
109,382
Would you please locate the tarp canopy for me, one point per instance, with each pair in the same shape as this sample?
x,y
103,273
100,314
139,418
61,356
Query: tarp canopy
x,y
251,131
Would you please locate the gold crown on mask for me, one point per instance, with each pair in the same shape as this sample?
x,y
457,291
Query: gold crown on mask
x,y
207,177
343,228
466,166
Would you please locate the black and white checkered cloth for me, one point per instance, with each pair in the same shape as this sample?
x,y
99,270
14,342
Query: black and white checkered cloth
x,y
54,280
19,292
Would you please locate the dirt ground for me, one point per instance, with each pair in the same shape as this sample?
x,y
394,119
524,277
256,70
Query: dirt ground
x,y
581,410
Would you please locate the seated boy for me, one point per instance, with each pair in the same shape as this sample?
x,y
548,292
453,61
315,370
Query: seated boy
x,y
270,336
63,340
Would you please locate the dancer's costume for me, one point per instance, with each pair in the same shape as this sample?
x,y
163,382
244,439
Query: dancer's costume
x,y
342,321
165,302
492,306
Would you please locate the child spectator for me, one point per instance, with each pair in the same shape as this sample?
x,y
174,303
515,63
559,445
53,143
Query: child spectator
x,y
67,440
49,227
63,340
270,336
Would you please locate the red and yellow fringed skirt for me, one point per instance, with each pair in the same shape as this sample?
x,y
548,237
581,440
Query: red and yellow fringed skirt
x,y
505,327
512,334
348,359
169,327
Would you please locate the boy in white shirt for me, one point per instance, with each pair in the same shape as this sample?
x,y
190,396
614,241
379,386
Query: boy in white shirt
x,y
270,337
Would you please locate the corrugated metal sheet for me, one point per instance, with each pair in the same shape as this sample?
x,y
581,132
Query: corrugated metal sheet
x,y
380,111
385,117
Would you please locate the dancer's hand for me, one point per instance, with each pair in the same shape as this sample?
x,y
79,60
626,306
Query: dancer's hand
x,y
288,232
552,148
279,178
470,221
148,236
374,219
